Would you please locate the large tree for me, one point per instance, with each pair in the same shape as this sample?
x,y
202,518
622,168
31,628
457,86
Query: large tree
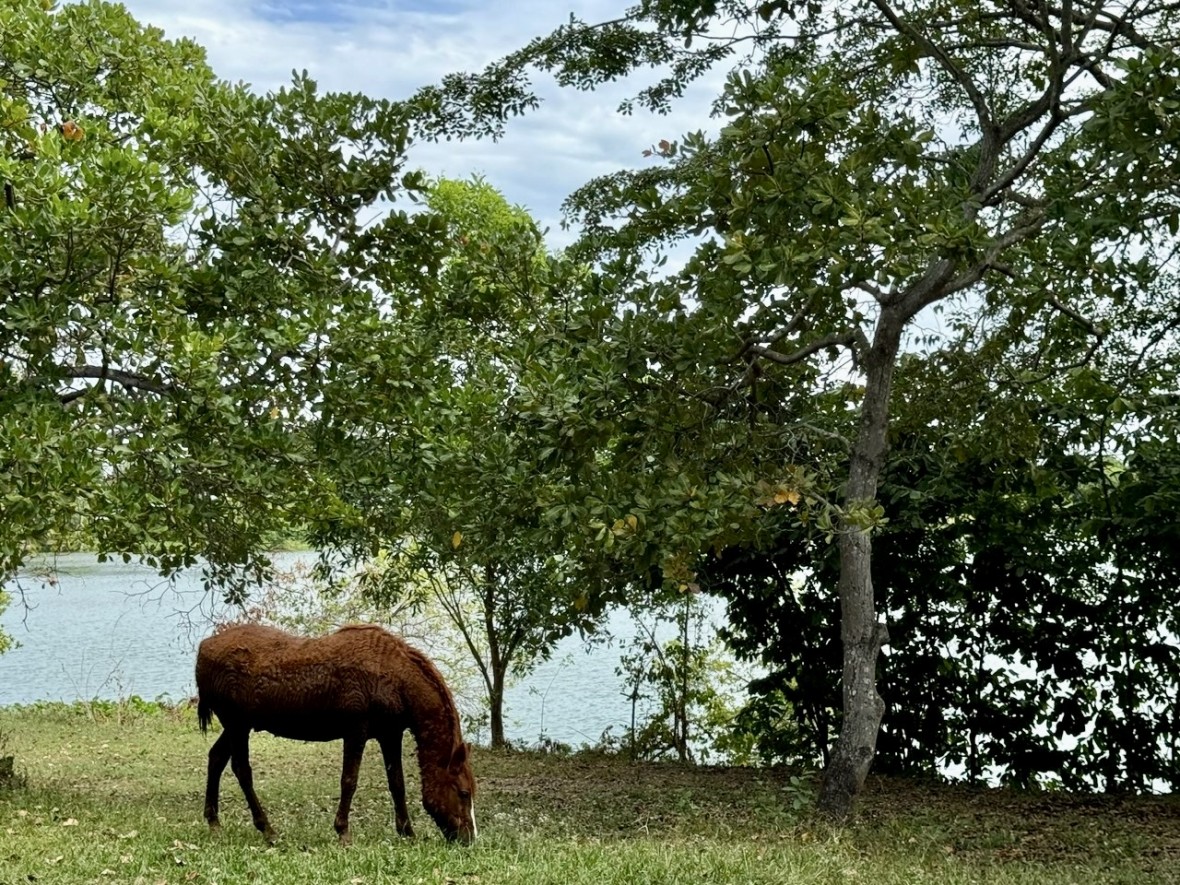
x,y
876,159
175,251
429,451
1028,575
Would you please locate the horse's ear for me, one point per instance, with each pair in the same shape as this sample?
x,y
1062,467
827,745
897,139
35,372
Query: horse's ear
x,y
459,756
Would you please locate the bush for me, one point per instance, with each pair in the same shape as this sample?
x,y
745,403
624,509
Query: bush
x,y
6,642
9,779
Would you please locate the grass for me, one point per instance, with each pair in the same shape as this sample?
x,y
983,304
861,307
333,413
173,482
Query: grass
x,y
112,793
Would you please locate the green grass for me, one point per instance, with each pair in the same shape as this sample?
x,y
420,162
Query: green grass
x,y
113,793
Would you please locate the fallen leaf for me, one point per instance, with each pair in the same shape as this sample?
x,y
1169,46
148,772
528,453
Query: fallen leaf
x,y
70,822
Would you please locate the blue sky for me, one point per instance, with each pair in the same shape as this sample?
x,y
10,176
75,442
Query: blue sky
x,y
388,48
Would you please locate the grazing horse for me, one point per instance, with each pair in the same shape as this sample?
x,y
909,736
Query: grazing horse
x,y
358,683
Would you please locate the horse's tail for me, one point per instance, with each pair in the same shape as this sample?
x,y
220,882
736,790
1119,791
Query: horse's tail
x,y
204,713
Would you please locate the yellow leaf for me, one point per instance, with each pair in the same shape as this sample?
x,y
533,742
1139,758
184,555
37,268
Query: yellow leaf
x,y
456,540
632,521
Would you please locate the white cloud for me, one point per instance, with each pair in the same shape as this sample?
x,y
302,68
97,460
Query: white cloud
x,y
389,48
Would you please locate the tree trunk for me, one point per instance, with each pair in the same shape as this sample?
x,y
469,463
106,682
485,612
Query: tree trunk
x,y
861,633
496,707
682,702
497,664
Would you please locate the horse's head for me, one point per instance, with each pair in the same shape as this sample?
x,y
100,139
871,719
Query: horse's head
x,y
451,799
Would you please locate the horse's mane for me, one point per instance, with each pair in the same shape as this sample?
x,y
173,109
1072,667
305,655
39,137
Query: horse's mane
x,y
430,672
427,668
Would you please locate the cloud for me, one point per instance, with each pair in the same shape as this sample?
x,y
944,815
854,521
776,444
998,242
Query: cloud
x,y
390,48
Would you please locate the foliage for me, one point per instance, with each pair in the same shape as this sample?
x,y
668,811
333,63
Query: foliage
x,y
686,685
1029,584
874,160
431,454
174,254
6,641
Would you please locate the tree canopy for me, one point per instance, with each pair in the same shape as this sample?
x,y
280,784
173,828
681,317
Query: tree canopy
x,y
429,450
175,254
1014,161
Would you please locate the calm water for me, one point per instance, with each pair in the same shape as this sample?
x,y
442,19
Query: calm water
x,y
111,630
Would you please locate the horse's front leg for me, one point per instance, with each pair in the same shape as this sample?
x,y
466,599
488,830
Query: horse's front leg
x,y
391,752
219,755
354,751
241,766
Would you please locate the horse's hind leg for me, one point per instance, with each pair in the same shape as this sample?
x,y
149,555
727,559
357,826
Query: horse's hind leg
x,y
391,752
219,755
245,775
354,751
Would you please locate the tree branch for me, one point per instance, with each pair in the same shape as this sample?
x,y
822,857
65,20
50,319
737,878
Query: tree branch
x,y
849,339
1009,177
1081,319
129,380
982,112
789,328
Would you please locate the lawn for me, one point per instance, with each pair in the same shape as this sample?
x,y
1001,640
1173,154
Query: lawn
x,y
114,793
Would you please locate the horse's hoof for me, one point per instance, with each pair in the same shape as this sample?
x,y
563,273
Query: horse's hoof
x,y
345,839
405,830
214,828
270,836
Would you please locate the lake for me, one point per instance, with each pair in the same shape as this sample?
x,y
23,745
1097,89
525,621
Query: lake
x,y
112,630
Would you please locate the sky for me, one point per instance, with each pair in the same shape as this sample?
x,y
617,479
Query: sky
x,y
389,48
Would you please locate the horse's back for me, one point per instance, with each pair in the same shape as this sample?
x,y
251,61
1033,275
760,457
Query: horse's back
x,y
257,644
306,688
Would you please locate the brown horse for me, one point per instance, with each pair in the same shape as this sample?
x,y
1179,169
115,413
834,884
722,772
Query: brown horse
x,y
358,683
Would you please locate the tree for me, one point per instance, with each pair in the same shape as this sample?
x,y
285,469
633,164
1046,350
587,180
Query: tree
x,y
1028,583
686,679
175,253
878,159
431,453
